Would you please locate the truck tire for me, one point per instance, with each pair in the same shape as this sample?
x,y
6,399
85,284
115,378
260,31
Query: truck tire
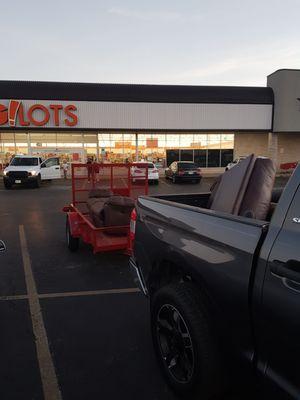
x,y
72,242
7,185
184,343
38,181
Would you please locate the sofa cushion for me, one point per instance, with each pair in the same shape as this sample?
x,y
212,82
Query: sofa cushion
x,y
90,202
99,193
116,212
95,207
232,187
246,189
257,199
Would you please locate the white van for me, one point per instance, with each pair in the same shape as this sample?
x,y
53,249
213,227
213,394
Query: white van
x,y
31,170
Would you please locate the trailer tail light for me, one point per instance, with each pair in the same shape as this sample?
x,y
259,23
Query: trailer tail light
x,y
132,224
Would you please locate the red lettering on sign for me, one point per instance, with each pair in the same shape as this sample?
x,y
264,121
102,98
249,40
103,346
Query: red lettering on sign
x,y
42,108
12,112
3,114
22,120
37,115
68,110
56,108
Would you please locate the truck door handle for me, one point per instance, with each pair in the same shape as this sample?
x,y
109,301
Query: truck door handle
x,y
289,269
56,167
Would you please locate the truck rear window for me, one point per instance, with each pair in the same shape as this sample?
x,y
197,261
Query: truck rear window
x,y
24,162
187,166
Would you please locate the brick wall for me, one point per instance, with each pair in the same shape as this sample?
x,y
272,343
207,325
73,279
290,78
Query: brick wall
x,y
257,143
247,143
288,147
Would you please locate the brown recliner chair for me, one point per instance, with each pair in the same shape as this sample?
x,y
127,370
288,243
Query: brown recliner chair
x,y
246,189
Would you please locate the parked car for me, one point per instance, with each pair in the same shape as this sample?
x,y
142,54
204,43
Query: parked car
x,y
234,162
222,272
30,170
183,171
138,172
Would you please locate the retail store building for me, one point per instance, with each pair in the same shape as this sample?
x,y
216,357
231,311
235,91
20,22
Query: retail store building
x,y
115,122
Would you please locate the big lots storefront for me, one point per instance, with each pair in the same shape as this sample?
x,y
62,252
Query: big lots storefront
x,y
160,123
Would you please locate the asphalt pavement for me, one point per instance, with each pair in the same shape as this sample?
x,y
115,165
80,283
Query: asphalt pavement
x,y
73,326
95,322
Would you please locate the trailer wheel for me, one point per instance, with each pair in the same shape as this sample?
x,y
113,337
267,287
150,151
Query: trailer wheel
x,y
72,242
184,342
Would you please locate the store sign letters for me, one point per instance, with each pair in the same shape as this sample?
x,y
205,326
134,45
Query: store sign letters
x,y
37,115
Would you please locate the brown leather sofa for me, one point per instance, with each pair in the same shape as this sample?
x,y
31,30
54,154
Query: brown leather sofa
x,y
246,189
107,210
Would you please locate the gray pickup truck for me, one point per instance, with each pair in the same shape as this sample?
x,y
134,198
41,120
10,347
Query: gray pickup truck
x,y
222,272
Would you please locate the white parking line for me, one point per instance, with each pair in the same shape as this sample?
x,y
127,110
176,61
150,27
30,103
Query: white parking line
x,y
88,293
47,370
72,294
15,297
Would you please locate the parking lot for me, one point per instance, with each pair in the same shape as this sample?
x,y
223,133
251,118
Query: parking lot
x,y
74,326
92,337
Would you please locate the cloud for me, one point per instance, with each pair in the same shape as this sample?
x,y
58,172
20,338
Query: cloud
x,y
167,16
246,69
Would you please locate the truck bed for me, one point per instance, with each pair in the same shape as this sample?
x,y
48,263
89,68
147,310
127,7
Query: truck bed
x,y
217,249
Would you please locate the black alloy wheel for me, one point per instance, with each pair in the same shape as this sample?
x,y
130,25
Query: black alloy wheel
x,y
185,342
175,343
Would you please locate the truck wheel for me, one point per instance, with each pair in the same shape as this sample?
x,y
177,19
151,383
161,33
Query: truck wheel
x,y
183,342
38,181
7,185
72,242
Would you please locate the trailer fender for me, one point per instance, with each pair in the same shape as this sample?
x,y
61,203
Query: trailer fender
x,y
74,224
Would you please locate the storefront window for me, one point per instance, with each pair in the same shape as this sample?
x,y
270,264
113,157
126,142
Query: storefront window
x,y
226,157
206,149
200,158
186,155
213,158
172,155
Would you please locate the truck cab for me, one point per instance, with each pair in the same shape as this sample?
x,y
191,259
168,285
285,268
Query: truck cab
x,y
30,170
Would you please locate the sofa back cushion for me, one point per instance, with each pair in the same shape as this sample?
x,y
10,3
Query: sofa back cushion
x,y
231,189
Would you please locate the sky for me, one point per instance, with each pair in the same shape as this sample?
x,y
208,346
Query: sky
x,y
203,42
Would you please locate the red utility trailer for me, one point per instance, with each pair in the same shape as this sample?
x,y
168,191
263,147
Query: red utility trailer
x,y
79,225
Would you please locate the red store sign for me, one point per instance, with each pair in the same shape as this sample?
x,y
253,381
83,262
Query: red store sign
x,y
37,114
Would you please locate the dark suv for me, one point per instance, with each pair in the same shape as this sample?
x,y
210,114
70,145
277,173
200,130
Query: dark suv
x,y
183,171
